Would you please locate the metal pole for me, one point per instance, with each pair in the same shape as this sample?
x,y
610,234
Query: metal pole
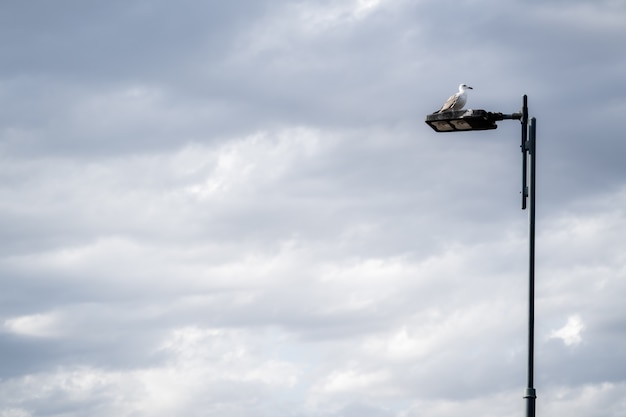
x,y
524,151
530,393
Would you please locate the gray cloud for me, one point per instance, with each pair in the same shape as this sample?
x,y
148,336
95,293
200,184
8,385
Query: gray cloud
x,y
237,210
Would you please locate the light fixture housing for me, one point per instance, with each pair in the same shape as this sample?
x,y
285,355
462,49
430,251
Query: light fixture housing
x,y
465,120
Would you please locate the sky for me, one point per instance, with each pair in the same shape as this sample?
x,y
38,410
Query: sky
x,y
235,209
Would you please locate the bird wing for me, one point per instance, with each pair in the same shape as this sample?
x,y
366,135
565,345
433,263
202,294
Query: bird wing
x,y
450,103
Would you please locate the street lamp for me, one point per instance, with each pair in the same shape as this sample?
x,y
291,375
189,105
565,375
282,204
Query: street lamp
x,y
467,120
463,120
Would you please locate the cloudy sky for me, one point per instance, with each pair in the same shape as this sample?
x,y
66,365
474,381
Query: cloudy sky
x,y
235,208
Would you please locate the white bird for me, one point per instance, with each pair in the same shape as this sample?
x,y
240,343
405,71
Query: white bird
x,y
457,100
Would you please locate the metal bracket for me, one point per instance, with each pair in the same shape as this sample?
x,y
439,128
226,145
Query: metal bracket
x,y
530,393
528,146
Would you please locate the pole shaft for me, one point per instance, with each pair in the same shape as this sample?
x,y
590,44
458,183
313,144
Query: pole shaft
x,y
524,151
530,393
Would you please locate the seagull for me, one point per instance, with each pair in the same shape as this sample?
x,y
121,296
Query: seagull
x,y
457,100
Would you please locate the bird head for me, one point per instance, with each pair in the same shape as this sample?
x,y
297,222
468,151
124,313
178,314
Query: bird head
x,y
464,87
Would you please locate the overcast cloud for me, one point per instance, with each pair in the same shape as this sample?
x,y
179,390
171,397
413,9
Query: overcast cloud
x,y
235,209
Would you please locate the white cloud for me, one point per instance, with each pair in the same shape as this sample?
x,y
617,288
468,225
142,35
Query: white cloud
x,y
571,332
37,325
353,381
210,366
593,400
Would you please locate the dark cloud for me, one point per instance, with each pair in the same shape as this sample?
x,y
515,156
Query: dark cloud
x,y
120,41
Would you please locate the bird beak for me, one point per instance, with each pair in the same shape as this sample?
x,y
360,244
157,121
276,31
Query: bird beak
x,y
469,87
